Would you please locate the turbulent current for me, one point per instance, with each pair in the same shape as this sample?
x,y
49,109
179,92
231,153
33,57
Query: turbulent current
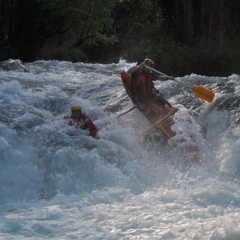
x,y
57,182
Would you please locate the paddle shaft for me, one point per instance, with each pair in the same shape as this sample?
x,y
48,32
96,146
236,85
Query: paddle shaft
x,y
199,91
129,110
160,73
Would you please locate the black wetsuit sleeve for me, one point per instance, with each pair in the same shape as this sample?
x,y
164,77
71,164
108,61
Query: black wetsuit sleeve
x,y
154,76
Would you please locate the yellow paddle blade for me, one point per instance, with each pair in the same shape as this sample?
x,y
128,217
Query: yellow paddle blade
x,y
203,93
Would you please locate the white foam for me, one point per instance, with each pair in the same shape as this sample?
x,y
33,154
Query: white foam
x,y
59,183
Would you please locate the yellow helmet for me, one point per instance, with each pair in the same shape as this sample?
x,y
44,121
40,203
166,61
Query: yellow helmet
x,y
76,108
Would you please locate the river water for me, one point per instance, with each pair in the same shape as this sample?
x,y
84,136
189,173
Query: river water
x,y
57,182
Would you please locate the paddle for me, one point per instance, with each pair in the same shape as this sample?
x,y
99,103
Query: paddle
x,y
199,91
129,110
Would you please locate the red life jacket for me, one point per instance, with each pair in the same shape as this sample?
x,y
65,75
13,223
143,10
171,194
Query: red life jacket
x,y
84,122
87,123
144,85
126,80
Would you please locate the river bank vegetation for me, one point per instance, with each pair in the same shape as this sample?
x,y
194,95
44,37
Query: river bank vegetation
x,y
181,36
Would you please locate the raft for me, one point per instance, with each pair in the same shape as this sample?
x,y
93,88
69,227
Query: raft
x,y
160,117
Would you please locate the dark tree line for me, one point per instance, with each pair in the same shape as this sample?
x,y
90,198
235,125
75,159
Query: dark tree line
x,y
26,26
182,36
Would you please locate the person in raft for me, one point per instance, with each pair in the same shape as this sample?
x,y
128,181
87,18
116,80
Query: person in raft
x,y
80,119
142,85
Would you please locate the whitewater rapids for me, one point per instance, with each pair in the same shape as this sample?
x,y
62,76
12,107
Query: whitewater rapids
x,y
59,183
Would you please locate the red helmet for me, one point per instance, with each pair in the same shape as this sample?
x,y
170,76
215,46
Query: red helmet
x,y
149,62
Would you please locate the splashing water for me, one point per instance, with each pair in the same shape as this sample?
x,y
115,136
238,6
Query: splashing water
x,y
60,183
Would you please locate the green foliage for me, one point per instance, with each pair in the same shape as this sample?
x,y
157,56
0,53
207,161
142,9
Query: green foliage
x,y
8,52
179,60
62,53
180,36
93,23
